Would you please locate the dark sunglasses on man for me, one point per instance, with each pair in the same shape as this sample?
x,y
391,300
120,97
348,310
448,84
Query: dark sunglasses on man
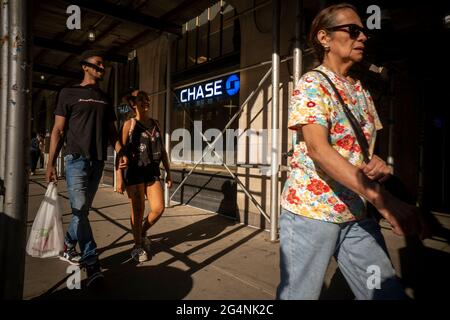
x,y
93,66
352,29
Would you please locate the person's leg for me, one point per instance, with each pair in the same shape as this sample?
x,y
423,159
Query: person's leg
x,y
79,173
136,193
41,160
306,247
364,261
155,196
34,160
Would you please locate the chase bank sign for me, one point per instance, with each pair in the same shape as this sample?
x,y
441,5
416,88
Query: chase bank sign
x,y
219,88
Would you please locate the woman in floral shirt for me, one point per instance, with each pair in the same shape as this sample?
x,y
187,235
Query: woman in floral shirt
x,y
324,199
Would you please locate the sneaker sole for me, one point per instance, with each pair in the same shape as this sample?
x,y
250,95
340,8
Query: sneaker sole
x,y
74,263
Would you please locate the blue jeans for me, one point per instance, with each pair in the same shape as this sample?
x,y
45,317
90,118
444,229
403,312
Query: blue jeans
x,y
307,245
82,177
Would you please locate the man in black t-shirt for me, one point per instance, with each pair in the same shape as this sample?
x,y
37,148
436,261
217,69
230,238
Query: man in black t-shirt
x,y
85,117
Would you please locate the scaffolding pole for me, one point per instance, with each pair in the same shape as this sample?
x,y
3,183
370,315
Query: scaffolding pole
x,y
167,113
297,54
3,94
116,102
275,154
12,257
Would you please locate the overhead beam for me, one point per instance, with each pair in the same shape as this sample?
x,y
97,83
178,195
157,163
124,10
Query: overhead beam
x,y
127,15
56,71
71,48
179,9
46,86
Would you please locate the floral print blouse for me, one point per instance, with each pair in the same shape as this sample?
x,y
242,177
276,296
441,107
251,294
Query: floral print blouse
x,y
308,190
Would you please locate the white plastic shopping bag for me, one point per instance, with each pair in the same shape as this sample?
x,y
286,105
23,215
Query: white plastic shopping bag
x,y
47,236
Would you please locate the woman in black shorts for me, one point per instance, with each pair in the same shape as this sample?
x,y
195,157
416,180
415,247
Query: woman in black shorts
x,y
142,176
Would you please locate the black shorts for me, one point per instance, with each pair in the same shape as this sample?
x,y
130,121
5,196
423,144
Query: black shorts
x,y
136,175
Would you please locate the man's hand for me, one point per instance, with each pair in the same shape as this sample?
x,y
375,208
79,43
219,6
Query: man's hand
x,y
376,169
51,174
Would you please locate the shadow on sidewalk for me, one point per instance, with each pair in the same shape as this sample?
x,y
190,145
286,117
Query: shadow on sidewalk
x,y
128,281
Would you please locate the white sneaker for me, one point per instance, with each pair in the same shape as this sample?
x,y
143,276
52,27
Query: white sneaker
x,y
139,255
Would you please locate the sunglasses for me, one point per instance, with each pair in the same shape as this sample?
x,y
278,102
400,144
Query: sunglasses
x,y
353,30
93,66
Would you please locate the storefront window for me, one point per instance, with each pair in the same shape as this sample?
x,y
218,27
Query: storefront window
x,y
205,107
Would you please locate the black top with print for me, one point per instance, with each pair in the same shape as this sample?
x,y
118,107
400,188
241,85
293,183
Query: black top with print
x,y
88,114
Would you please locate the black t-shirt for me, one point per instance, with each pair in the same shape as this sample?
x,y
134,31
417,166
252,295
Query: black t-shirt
x,y
88,113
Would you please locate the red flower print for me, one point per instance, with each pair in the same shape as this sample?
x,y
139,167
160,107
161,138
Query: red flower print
x,y
338,128
311,119
339,208
332,200
367,135
324,90
356,148
346,142
296,93
292,197
309,80
343,95
317,187
371,118
311,104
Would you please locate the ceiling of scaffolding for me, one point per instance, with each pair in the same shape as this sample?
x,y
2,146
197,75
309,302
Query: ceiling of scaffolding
x,y
118,26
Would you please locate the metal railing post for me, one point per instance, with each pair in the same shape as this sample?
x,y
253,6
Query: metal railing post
x,y
168,111
274,212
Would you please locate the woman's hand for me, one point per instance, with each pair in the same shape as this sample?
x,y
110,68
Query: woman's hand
x,y
169,181
404,218
376,169
123,162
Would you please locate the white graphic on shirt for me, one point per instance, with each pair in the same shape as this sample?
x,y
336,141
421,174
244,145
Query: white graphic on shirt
x,y
92,100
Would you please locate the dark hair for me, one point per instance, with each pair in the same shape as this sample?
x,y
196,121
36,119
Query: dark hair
x,y
91,53
131,99
325,19
141,97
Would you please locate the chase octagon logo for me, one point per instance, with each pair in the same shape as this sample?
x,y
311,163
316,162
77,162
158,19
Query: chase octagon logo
x,y
232,85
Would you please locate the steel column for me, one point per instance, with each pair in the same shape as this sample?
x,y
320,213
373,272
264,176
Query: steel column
x,y
16,176
275,153
168,111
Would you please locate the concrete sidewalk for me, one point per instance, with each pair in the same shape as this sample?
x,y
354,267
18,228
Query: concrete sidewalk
x,y
202,255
